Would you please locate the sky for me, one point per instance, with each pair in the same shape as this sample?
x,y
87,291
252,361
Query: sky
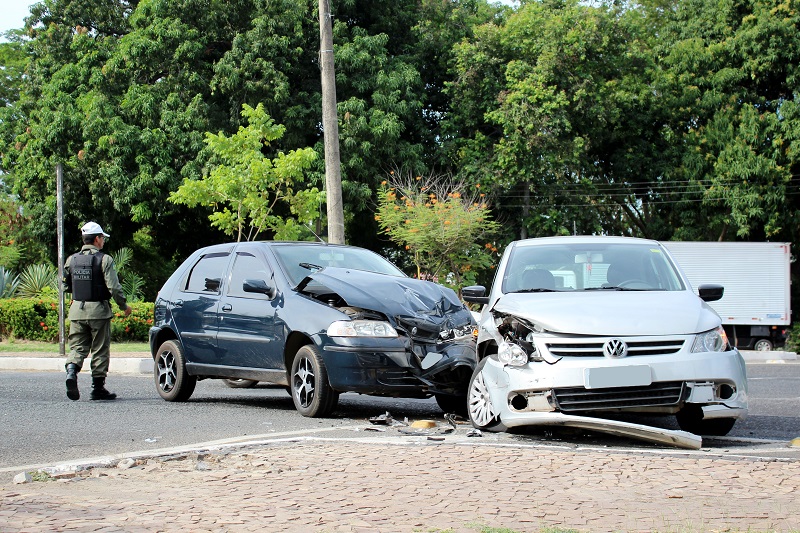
x,y
12,12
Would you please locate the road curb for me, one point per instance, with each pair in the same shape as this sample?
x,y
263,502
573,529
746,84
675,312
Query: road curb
x,y
121,365
144,365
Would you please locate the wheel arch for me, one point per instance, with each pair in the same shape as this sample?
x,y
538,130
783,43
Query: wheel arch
x,y
294,342
164,335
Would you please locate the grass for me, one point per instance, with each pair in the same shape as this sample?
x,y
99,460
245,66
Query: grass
x,y
17,345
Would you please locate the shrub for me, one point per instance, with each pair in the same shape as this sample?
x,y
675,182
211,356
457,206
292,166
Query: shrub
x,y
36,319
32,319
793,339
135,327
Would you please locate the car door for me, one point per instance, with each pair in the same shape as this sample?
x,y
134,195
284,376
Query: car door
x,y
250,335
195,307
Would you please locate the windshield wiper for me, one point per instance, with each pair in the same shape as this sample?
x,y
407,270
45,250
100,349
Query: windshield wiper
x,y
613,288
537,289
311,266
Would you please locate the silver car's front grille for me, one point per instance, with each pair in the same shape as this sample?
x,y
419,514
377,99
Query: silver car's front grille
x,y
656,395
594,347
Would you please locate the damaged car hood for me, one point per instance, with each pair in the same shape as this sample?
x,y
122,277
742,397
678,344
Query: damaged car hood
x,y
613,312
393,295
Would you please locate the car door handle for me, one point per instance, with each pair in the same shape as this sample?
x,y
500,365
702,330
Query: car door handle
x,y
227,307
178,303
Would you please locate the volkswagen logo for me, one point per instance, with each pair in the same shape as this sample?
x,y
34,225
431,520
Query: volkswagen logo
x,y
615,348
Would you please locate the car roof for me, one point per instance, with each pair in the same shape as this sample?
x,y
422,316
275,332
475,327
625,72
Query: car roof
x,y
585,239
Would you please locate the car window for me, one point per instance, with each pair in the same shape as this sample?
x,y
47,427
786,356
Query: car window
x,y
248,266
206,274
589,267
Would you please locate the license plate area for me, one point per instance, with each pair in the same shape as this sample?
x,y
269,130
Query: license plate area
x,y
623,376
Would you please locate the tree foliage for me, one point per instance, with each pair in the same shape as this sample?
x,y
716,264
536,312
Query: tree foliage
x,y
440,225
660,118
246,189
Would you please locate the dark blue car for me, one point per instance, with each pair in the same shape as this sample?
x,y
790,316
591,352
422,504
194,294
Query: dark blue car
x,y
319,319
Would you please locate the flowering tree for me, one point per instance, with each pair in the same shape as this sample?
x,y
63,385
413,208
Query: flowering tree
x,y
441,223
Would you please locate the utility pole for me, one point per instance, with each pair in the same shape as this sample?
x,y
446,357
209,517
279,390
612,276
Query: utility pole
x,y
330,127
60,237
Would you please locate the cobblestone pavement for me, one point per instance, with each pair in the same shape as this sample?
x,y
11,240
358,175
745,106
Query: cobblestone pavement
x,y
325,485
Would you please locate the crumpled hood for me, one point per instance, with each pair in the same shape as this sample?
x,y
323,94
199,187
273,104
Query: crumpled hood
x,y
396,297
612,312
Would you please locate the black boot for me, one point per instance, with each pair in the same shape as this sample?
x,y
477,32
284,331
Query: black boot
x,y
72,382
99,391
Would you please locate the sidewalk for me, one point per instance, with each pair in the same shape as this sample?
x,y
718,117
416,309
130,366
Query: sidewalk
x,y
457,485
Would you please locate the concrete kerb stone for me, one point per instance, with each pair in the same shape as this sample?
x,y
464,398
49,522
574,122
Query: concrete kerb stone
x,y
144,365
119,365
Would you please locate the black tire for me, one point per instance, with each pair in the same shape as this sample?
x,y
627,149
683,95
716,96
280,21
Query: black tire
x,y
452,404
479,403
173,382
763,345
240,383
690,419
311,393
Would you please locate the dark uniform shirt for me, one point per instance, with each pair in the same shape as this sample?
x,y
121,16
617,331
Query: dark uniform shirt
x,y
98,310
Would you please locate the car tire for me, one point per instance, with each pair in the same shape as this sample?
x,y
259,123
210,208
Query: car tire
x,y
240,383
311,393
763,345
452,404
479,403
690,419
173,382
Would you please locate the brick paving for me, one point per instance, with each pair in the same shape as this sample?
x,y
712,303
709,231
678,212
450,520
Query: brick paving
x,y
422,487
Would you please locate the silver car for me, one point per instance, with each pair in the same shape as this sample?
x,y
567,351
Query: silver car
x,y
575,328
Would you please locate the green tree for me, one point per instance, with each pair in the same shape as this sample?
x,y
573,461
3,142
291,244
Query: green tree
x,y
730,73
440,224
245,187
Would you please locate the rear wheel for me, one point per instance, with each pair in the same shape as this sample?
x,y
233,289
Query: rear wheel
x,y
240,383
481,411
763,345
312,394
173,382
690,419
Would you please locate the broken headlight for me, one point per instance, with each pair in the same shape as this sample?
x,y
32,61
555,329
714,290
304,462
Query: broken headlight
x,y
361,328
715,340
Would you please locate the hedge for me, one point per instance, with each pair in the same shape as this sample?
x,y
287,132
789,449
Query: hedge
x,y
36,319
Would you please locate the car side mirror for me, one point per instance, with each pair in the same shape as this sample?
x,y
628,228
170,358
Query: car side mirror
x,y
710,293
259,286
475,294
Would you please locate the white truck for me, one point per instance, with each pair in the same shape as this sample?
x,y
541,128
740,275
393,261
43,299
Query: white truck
x,y
755,308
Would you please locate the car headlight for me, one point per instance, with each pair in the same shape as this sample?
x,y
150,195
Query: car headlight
x,y
715,340
511,354
361,328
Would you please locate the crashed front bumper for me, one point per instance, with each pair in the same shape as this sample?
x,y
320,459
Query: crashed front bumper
x,y
580,386
386,366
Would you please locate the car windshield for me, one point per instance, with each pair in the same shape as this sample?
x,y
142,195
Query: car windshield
x,y
300,260
590,266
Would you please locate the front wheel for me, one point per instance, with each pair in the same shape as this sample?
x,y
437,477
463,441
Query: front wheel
x,y
312,394
173,382
690,419
482,412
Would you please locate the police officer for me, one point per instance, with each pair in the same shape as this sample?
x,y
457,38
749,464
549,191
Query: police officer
x,y
92,279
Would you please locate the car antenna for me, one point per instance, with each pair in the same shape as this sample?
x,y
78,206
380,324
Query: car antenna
x,y
315,234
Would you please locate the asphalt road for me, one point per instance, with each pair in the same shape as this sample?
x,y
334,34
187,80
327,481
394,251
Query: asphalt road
x,y
41,426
